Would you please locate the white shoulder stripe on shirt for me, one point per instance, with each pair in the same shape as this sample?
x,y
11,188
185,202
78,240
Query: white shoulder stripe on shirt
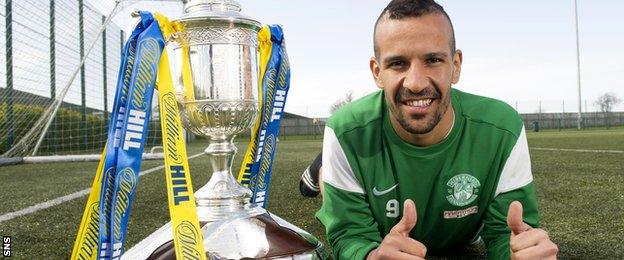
x,y
336,169
517,170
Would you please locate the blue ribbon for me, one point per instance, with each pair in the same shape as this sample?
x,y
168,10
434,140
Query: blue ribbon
x,y
128,132
113,141
276,84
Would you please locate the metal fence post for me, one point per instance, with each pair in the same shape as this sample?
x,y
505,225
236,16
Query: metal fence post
x,y
83,98
539,116
52,134
104,83
8,93
563,117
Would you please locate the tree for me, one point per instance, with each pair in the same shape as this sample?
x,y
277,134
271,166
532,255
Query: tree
x,y
607,101
341,102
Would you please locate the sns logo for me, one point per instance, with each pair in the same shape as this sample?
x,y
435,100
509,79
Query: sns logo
x,y
6,246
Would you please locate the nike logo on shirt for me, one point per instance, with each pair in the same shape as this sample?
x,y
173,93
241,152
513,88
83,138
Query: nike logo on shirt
x,y
379,193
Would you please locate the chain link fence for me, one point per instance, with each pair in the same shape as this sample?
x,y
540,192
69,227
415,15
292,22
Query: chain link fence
x,y
42,45
564,114
537,121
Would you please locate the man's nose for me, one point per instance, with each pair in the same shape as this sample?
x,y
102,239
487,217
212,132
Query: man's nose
x,y
415,79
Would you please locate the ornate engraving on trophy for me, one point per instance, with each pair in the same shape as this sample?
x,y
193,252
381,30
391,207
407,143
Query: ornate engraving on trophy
x,y
201,35
218,118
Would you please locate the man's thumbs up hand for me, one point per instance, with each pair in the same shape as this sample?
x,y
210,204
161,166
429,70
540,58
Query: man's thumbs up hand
x,y
514,218
408,221
527,242
397,244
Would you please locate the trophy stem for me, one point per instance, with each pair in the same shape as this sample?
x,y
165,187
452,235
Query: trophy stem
x,y
222,196
221,154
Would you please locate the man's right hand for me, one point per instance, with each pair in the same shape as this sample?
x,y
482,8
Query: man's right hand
x,y
397,244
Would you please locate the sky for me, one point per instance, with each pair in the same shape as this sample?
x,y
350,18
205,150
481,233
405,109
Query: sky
x,y
521,52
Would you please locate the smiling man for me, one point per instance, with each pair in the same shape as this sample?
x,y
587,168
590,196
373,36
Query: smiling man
x,y
456,165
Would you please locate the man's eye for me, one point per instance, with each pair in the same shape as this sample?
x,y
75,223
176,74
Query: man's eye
x,y
433,60
397,64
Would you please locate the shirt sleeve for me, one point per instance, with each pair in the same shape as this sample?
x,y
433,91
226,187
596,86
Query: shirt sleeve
x,y
351,230
515,184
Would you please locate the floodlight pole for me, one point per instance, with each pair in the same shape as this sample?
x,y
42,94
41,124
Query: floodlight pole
x,y
578,66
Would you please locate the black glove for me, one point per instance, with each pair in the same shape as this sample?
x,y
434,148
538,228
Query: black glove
x,y
309,183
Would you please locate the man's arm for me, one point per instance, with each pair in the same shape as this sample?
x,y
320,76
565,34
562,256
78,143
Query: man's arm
x,y
515,184
350,228
346,214
354,241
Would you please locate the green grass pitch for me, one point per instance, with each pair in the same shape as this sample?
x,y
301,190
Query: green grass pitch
x,y
581,195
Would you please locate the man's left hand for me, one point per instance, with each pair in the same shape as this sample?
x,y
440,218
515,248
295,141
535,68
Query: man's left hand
x,y
527,242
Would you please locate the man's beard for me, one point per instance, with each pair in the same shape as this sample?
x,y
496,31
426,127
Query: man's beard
x,y
429,92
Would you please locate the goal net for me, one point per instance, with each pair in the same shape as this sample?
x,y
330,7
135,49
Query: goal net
x,y
49,103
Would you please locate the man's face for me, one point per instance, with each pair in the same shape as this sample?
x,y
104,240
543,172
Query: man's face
x,y
415,67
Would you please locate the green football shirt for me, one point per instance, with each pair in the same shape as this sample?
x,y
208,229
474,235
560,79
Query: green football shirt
x,y
462,186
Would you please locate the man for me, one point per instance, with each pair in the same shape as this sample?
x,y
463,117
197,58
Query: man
x,y
456,165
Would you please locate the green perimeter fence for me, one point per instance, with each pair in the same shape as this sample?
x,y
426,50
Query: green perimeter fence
x,y
536,121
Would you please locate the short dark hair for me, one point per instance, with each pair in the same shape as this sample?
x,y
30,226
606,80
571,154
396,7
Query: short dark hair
x,y
400,9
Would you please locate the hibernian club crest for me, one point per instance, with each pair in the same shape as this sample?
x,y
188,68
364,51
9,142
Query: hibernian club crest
x,y
462,189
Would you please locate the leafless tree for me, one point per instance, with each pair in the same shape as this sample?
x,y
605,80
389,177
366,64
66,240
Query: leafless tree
x,y
341,102
607,101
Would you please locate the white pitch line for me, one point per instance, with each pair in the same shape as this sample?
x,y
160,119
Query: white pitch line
x,y
576,150
66,198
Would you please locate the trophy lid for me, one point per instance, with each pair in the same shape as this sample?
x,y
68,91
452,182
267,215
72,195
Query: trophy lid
x,y
217,12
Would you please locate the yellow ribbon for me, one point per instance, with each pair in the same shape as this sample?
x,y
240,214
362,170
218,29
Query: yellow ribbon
x,y
86,244
187,235
265,47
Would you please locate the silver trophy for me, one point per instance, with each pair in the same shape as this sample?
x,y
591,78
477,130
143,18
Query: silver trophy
x,y
221,45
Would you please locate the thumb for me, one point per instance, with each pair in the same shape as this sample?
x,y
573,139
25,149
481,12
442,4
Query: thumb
x,y
408,221
514,218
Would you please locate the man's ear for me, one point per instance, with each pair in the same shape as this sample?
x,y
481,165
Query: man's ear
x,y
375,69
457,62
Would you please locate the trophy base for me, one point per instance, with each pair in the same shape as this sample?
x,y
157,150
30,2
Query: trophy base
x,y
261,236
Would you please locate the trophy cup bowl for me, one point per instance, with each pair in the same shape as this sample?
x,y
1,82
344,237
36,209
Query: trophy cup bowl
x,y
220,45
